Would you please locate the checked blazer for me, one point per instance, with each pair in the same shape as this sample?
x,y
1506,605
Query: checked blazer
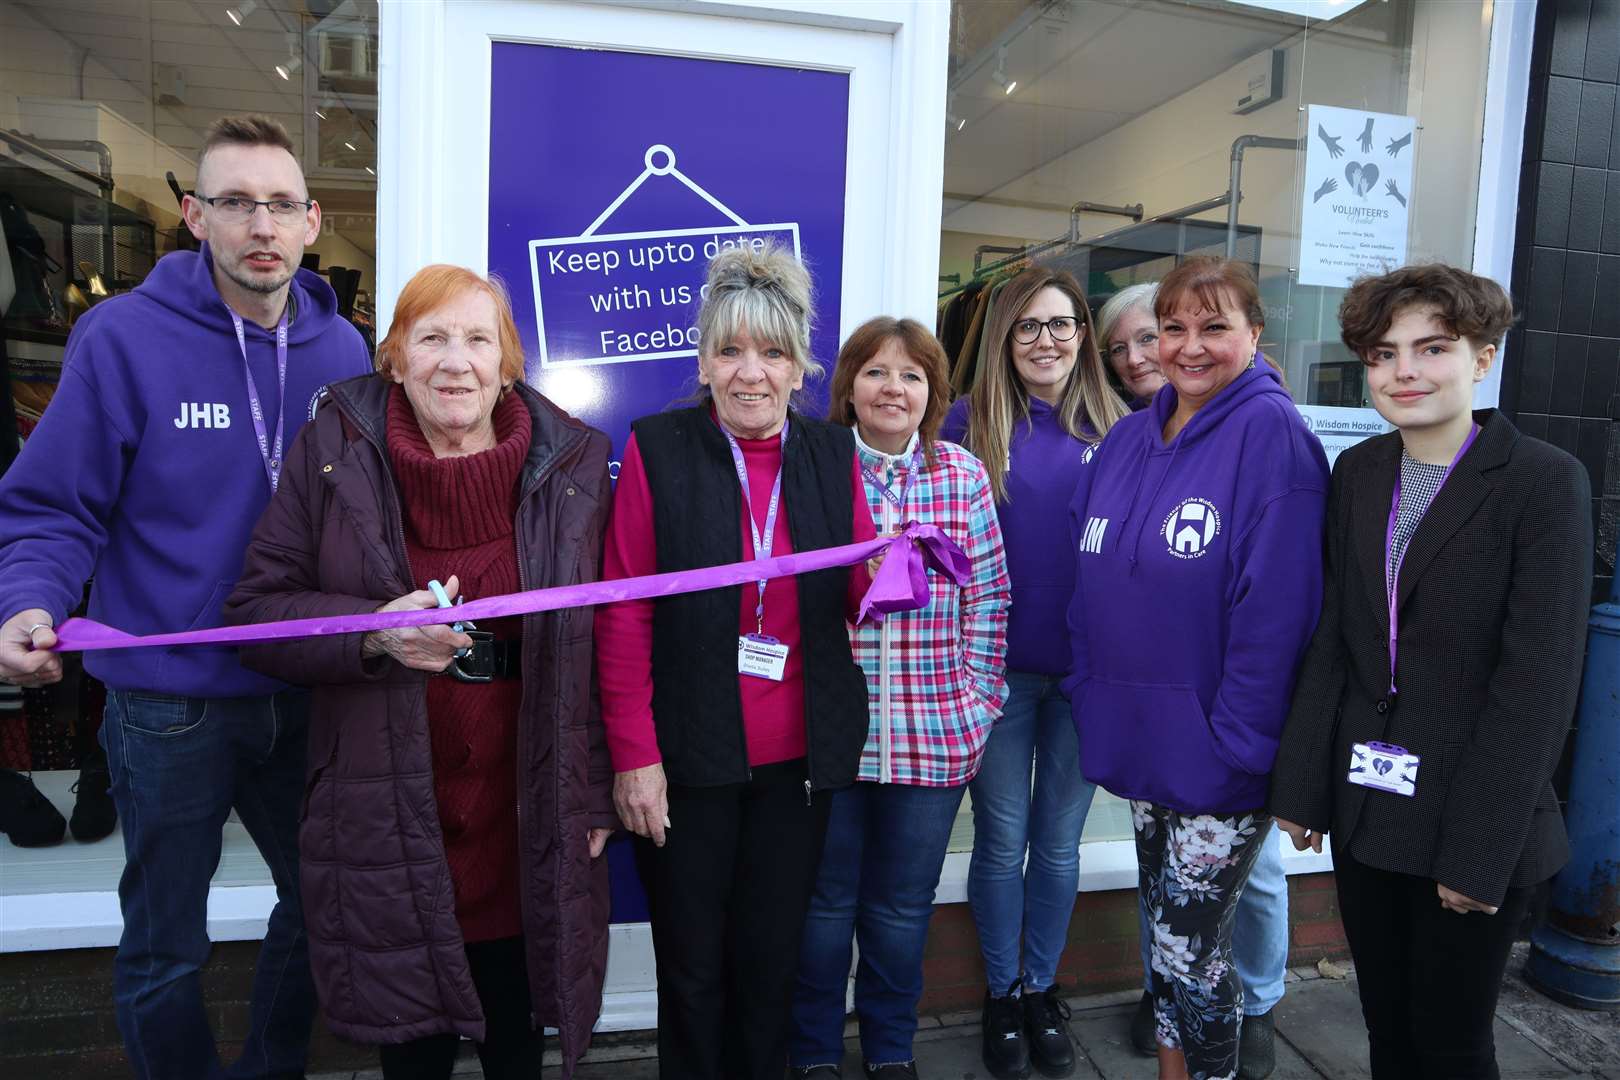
x,y
1492,602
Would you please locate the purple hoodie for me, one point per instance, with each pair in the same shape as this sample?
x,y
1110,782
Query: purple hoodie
x,y
1198,583
1042,472
111,486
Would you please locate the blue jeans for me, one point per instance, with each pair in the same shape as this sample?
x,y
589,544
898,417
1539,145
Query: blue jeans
x,y
879,868
179,766
1010,900
1259,933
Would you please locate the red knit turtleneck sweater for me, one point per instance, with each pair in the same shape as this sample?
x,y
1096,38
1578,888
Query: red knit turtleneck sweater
x,y
459,514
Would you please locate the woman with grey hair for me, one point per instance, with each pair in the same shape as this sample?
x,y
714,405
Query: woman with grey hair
x,y
724,767
1128,331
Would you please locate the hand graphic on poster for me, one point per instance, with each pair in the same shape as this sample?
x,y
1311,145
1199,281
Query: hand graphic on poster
x,y
1333,148
1361,177
1365,138
1397,145
1389,186
1329,186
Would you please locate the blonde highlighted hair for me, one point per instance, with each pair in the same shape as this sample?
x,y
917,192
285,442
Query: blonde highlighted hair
x,y
1088,406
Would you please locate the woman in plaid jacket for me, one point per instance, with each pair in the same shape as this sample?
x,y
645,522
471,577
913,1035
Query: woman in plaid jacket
x,y
936,685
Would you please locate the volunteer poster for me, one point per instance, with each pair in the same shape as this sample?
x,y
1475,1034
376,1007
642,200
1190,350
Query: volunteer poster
x,y
1358,183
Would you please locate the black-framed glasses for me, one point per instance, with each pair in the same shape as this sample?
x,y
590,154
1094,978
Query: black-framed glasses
x,y
237,208
1062,328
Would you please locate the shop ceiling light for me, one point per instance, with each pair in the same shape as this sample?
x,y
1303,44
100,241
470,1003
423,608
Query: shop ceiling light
x,y
1000,74
294,61
353,147
241,11
956,122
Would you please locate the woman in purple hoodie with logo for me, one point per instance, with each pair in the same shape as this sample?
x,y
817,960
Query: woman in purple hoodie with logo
x,y
1039,406
1197,526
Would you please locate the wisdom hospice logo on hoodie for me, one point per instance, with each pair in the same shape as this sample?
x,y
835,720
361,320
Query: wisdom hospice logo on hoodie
x,y
1191,527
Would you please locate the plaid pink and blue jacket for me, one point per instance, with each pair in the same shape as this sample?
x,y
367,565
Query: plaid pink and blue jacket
x,y
936,676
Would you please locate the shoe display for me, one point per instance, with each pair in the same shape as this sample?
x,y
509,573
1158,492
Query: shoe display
x,y
1142,1023
26,815
93,814
1046,1023
1257,1047
1006,1054
816,1072
897,1070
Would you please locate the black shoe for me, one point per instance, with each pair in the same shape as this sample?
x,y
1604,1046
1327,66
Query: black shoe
x,y
93,813
26,815
816,1072
1142,1027
1257,1048
1006,1054
1046,1021
899,1070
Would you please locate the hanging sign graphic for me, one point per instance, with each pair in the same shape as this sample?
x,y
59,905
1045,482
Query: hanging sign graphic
x,y
618,297
1358,183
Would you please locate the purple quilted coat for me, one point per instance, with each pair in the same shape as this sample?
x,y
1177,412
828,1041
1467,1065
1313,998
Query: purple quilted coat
x,y
386,950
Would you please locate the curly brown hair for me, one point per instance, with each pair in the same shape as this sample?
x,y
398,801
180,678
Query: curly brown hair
x,y
1467,305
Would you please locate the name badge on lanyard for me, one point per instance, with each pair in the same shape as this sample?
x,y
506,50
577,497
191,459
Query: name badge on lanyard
x,y
270,452
914,469
1392,584
759,655
1383,767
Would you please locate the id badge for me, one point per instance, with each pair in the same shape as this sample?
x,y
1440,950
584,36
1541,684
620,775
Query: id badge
x,y
1384,767
761,656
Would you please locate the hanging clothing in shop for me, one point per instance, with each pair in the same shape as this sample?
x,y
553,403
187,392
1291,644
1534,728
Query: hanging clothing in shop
x,y
970,343
953,321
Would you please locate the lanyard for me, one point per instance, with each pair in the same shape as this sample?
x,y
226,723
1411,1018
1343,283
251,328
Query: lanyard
x,y
1393,585
762,547
270,454
914,469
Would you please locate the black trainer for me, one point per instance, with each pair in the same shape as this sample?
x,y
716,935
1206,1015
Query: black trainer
x,y
1006,1054
93,814
1143,1038
895,1070
816,1072
1046,1021
26,815
1257,1047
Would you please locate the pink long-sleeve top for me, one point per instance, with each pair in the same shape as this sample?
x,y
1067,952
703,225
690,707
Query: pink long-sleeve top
x,y
773,712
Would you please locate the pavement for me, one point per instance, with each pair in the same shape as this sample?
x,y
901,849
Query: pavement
x,y
1319,1037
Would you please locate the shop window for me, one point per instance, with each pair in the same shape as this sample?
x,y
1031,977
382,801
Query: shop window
x,y
1117,138
102,109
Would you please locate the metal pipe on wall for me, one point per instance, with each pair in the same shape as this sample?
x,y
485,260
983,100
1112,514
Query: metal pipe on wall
x,y
1234,184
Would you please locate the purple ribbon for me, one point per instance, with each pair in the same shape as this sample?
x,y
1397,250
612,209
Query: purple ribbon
x,y
901,584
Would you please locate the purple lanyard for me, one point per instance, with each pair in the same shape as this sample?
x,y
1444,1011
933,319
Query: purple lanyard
x,y
1392,585
899,501
270,454
762,547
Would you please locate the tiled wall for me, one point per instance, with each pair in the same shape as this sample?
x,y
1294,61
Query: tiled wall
x,y
1560,381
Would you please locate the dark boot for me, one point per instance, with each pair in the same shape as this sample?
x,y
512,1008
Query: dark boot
x,y
1006,1054
26,815
815,1072
902,1070
1143,1038
93,813
1257,1048
1046,1022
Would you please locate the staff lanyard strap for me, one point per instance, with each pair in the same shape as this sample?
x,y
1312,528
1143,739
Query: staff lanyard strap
x,y
1392,586
762,547
914,469
270,453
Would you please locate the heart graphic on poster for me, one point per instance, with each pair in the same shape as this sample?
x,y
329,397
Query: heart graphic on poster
x,y
1361,177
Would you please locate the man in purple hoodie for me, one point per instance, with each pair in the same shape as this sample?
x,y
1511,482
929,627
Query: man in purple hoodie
x,y
148,471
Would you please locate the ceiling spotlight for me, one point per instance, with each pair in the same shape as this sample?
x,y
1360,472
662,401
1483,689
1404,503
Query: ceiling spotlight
x,y
957,123
241,11
353,147
370,170
1000,74
294,61
319,113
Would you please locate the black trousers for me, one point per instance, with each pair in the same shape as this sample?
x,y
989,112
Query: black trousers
x,y
1428,977
728,893
512,1048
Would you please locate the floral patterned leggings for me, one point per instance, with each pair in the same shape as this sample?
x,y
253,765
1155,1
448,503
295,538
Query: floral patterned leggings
x,y
1191,870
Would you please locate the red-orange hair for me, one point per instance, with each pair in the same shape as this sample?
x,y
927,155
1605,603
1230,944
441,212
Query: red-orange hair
x,y
430,289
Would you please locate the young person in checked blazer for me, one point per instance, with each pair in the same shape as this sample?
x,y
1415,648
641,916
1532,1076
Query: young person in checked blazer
x,y
1434,700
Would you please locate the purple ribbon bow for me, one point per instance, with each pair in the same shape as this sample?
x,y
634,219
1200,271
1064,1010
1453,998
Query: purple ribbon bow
x,y
901,584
